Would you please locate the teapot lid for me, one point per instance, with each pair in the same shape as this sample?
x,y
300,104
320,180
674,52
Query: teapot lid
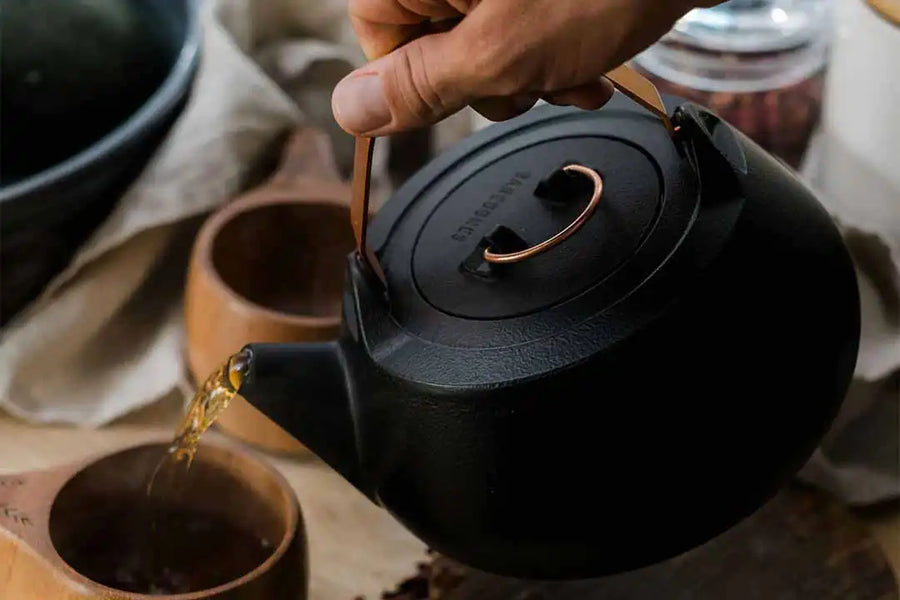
x,y
503,187
518,198
425,323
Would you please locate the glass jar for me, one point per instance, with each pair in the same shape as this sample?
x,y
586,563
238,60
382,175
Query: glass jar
x,y
759,64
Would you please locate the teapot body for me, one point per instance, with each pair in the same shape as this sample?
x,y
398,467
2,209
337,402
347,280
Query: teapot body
x,y
618,400
649,427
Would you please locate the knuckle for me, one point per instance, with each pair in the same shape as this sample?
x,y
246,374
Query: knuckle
x,y
413,88
499,62
494,67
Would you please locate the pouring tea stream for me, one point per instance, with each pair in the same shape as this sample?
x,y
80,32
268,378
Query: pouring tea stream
x,y
692,339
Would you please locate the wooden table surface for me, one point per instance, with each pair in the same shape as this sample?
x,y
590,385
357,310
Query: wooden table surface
x,y
355,547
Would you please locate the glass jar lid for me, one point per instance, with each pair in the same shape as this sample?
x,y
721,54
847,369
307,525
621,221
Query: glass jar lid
x,y
743,46
753,26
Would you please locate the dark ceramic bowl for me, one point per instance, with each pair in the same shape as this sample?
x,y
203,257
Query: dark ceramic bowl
x,y
88,90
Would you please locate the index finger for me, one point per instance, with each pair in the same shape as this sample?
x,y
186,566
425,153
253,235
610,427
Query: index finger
x,y
383,25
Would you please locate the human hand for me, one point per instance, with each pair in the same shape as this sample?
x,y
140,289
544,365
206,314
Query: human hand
x,y
500,57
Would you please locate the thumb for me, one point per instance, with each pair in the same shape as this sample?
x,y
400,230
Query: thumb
x,y
416,85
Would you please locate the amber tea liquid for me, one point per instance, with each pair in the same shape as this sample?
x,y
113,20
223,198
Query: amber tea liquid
x,y
159,567
196,549
208,402
211,399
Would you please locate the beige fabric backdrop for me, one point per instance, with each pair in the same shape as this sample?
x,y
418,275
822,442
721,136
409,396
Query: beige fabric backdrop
x,y
106,336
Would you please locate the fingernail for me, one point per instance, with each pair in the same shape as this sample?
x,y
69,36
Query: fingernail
x,y
359,103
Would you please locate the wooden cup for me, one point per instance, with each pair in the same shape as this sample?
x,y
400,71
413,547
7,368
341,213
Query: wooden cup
x,y
269,267
43,514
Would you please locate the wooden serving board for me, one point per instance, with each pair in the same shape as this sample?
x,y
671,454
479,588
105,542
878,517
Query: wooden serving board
x,y
800,546
355,547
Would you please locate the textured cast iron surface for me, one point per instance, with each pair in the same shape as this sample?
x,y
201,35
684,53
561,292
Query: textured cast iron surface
x,y
675,396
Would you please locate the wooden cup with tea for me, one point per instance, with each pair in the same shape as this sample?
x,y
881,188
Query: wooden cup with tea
x,y
232,531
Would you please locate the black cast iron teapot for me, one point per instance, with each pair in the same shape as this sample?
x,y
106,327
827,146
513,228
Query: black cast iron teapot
x,y
610,401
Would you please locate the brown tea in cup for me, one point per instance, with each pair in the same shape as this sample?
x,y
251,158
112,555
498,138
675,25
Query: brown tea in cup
x,y
112,549
228,527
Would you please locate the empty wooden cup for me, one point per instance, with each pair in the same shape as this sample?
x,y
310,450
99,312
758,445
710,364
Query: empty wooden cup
x,y
269,267
231,530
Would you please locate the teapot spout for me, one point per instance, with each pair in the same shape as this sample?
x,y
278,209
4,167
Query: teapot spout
x,y
305,389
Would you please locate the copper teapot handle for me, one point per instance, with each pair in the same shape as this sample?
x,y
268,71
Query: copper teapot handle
x,y
359,204
571,228
641,90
